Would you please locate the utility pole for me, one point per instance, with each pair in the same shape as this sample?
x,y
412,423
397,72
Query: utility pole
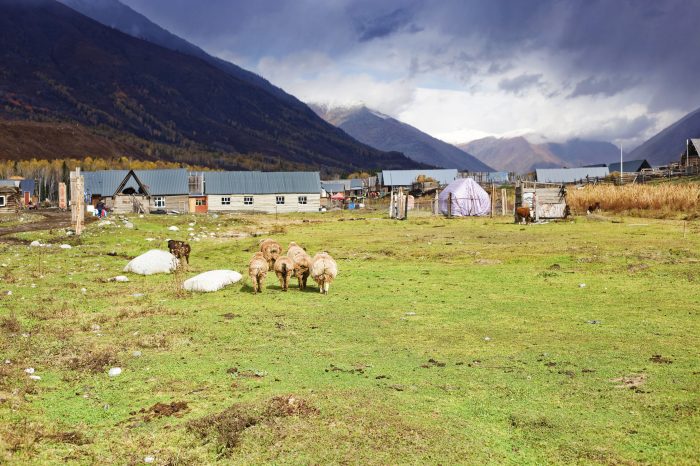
x,y
622,171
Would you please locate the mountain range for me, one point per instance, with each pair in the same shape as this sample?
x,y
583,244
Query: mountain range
x,y
63,73
387,133
667,145
522,156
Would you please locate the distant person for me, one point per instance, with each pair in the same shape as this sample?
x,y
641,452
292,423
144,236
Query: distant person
x,y
101,211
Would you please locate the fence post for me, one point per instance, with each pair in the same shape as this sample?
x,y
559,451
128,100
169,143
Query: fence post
x,y
449,205
504,202
493,198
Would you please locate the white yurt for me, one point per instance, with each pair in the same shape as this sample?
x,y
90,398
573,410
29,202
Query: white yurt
x,y
468,198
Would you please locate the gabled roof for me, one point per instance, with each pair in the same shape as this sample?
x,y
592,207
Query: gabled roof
x,y
164,182
348,185
332,186
570,175
408,177
103,182
10,183
629,166
696,144
262,182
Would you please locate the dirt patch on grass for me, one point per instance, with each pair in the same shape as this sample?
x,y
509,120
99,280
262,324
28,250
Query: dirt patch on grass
x,y
488,262
227,427
10,324
93,361
634,268
633,382
158,410
658,359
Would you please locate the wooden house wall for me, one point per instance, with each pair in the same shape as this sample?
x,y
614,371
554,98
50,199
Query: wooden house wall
x,y
12,197
265,203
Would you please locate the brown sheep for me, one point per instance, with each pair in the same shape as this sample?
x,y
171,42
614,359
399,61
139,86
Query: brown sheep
x,y
180,249
523,214
302,263
284,268
257,270
323,271
271,250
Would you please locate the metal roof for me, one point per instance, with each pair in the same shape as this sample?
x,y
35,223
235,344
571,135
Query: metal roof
x,y
103,182
408,177
629,166
332,186
164,182
27,186
261,182
570,175
348,185
696,144
11,183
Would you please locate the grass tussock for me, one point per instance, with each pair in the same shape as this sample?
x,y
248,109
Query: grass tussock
x,y
633,197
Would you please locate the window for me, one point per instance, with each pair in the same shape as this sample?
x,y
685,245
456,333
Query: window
x,y
225,201
200,202
279,200
159,201
3,201
302,199
247,200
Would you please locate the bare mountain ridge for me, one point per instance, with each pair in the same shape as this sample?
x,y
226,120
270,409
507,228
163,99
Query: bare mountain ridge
x,y
667,146
519,155
387,133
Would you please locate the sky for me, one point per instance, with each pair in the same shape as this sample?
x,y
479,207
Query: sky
x,y
614,70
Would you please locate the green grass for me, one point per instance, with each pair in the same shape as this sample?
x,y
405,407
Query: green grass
x,y
519,375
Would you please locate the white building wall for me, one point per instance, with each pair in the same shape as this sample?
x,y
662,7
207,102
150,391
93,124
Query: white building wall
x,y
265,203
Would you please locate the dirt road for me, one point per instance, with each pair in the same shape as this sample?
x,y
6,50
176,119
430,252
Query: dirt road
x,y
52,219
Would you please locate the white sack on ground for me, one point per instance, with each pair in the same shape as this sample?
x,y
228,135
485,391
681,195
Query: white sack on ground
x,y
468,198
154,261
213,280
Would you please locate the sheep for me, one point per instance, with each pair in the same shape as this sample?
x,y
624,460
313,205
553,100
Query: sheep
x,y
593,208
257,270
180,249
523,214
323,271
302,263
284,268
271,250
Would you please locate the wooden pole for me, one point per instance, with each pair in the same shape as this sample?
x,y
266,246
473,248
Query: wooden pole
x,y
504,202
449,205
493,198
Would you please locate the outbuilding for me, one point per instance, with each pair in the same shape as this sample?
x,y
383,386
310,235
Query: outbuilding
x,y
629,166
9,197
571,175
267,192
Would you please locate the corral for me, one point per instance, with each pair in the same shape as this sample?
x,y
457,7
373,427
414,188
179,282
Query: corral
x,y
558,343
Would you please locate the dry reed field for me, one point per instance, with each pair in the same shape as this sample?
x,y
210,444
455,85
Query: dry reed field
x,y
666,198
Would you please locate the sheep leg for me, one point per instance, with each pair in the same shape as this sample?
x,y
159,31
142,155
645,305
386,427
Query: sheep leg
x,y
326,286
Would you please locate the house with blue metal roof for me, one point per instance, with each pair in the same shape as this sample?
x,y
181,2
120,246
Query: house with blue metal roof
x,y
125,191
629,166
394,179
269,192
571,175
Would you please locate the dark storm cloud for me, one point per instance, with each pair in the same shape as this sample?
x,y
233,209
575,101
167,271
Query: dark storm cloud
x,y
385,25
520,84
602,46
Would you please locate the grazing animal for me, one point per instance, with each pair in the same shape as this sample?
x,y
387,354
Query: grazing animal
x,y
271,250
180,249
323,271
593,208
523,214
302,263
257,270
284,268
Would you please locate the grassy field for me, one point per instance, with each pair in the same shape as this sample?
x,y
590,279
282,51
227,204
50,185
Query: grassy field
x,y
442,341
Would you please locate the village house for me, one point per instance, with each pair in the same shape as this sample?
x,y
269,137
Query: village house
x,y
690,156
9,197
268,192
391,180
571,175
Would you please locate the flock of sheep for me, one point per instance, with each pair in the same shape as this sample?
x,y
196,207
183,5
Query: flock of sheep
x,y
322,268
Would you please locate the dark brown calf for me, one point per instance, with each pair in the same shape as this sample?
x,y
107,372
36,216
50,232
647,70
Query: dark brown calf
x,y
523,213
180,249
593,208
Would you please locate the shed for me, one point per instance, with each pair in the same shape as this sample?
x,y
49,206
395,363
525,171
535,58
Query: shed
x,y
269,192
571,175
405,178
148,190
629,166
464,197
547,201
9,197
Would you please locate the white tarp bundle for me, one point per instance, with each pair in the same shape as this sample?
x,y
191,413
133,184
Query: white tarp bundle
x,y
213,280
468,198
153,261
